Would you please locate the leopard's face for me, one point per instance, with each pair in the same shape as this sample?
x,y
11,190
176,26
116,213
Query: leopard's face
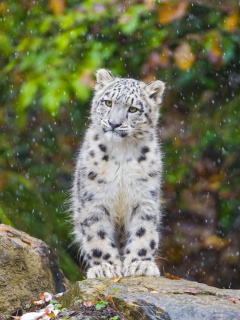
x,y
124,107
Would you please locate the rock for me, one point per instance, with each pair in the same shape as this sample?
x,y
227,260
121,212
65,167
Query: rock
x,y
159,298
27,268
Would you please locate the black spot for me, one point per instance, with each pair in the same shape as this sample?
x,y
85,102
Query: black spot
x,y
134,259
95,137
92,175
102,181
148,217
105,157
153,174
97,253
140,232
89,257
95,163
104,273
146,259
145,149
89,197
141,158
143,179
102,147
127,251
78,186
101,234
89,238
106,256
94,218
137,269
142,252
152,244
96,263
92,153
113,245
153,193
110,262
133,213
106,211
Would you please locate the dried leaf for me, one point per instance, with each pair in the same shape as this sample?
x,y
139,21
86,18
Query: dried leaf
x,y
5,229
190,290
27,242
169,276
154,291
183,56
90,303
169,12
231,22
37,302
234,300
116,279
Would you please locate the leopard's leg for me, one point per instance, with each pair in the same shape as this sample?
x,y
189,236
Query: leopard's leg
x,y
95,233
142,242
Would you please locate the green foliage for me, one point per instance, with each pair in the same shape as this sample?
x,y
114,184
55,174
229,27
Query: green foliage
x,y
49,55
100,304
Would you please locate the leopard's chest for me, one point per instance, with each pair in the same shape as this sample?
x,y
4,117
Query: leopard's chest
x,y
120,192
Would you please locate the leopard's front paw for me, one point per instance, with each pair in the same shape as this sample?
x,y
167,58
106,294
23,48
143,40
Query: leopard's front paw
x,y
141,268
104,270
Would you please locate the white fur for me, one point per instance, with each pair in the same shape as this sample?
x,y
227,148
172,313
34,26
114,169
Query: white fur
x,y
118,179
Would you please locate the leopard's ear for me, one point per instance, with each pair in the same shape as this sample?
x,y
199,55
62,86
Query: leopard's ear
x,y
155,90
103,78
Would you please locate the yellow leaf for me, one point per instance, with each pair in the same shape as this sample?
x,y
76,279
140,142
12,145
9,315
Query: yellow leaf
x,y
169,12
231,22
57,6
154,291
116,279
183,56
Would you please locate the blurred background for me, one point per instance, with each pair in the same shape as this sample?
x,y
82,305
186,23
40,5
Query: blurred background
x,y
49,53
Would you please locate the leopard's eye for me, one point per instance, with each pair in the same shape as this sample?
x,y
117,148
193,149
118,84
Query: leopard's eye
x,y
132,109
108,103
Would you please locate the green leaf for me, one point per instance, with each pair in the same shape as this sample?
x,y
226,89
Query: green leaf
x,y
27,93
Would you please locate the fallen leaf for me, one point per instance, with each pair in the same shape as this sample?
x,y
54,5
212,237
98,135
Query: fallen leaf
x,y
90,303
58,296
5,229
234,300
37,302
190,290
154,291
169,276
27,242
169,12
116,279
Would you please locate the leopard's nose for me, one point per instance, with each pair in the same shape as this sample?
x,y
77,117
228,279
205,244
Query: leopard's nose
x,y
114,125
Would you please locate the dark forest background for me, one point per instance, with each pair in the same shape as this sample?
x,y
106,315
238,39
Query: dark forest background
x,y
49,53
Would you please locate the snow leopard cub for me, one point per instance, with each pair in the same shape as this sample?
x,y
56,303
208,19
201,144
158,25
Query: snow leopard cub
x,y
116,192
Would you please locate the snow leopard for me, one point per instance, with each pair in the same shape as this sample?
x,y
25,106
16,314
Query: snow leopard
x,y
117,182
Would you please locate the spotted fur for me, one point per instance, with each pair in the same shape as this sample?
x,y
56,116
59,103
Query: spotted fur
x,y
116,192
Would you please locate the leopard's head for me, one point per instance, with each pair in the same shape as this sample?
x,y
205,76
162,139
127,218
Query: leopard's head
x,y
125,107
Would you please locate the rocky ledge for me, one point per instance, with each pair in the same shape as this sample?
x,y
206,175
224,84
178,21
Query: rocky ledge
x,y
145,298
